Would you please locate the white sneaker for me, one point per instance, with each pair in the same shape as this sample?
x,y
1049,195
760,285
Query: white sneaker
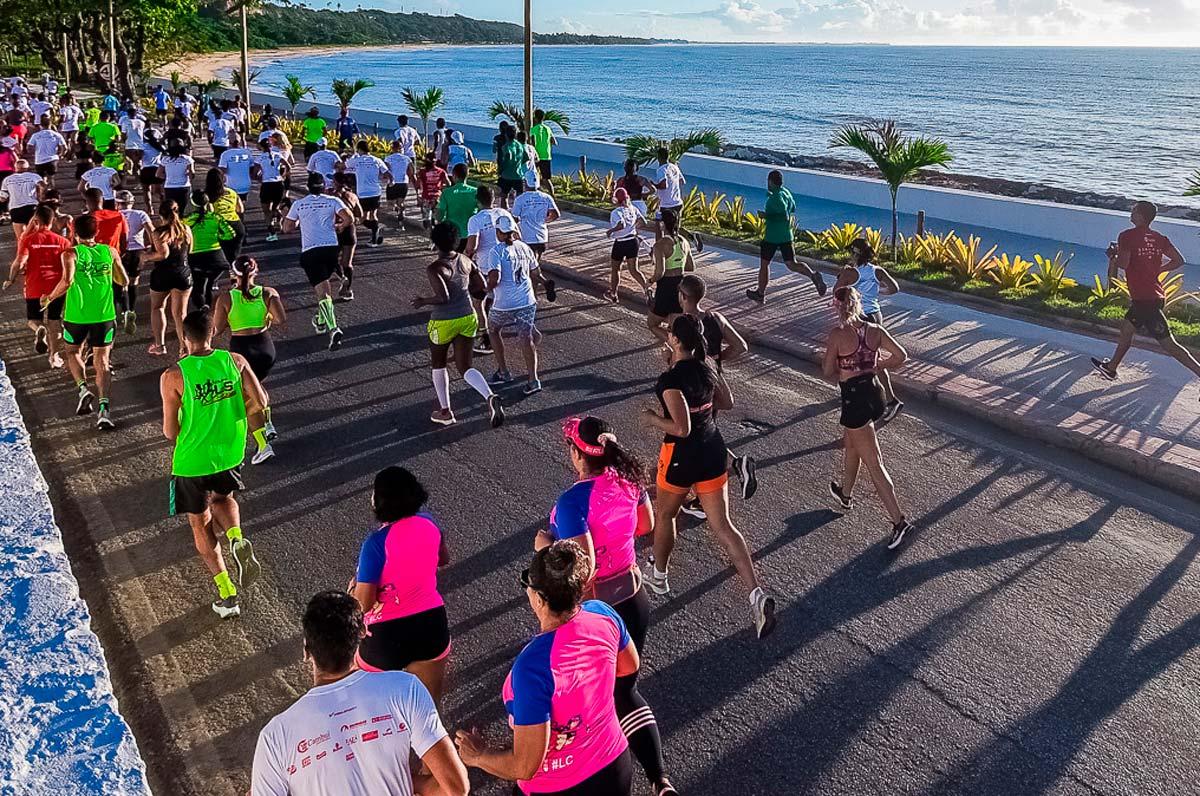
x,y
764,614
227,607
262,455
657,583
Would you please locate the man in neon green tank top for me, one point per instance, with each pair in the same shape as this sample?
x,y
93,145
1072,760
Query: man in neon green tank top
x,y
89,315
207,398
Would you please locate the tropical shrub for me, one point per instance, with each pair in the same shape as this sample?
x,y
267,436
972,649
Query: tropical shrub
x,y
1051,277
345,90
935,249
644,148
1193,184
837,238
967,260
690,209
755,224
909,249
1172,288
1011,274
562,183
589,184
709,210
1103,295
733,213
423,105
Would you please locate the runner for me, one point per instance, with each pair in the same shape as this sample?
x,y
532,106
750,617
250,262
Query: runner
x,y
392,715
779,214
511,271
458,152
348,236
133,128
272,171
69,116
207,397
669,182
176,170
559,695
407,136
227,205
533,210
320,218
637,186
672,258
221,127
170,278
139,238
179,131
457,204
604,511
89,270
1140,252
693,457
104,133
152,153
626,219
8,167
249,311
39,257
207,258
396,584
368,171
313,129
324,161
441,140
48,147
852,361
452,322
63,223
346,129
21,191
871,282
401,172
432,179
512,161
162,100
116,159
481,245
543,142
235,163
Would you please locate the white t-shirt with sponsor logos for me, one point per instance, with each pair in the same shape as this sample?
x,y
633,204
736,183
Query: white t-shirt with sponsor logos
x,y
100,177
398,163
21,189
367,169
45,145
483,226
351,737
68,117
236,164
531,209
672,195
316,214
408,138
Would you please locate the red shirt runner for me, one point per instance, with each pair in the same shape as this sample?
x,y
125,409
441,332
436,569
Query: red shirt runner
x,y
43,269
1147,249
432,182
111,229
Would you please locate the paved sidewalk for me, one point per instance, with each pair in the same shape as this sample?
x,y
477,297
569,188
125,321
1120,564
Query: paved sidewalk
x,y
1029,378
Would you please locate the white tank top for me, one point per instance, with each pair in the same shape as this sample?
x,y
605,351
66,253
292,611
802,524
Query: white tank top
x,y
868,287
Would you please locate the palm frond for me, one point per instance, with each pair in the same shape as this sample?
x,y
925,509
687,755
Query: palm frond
x,y
424,103
644,148
345,90
295,90
897,156
1193,184
516,115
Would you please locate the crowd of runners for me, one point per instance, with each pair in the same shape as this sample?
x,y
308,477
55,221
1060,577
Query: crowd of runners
x,y
155,212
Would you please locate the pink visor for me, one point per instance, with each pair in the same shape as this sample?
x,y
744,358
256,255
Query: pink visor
x,y
571,433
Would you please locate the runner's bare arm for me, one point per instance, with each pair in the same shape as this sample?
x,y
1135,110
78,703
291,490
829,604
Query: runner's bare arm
x,y
253,394
158,250
1174,258
119,275
888,286
275,309
829,366
628,660
366,594
847,276
522,761
897,356
678,422
170,385
17,268
733,344
472,245
447,774
723,394
68,274
220,315
437,283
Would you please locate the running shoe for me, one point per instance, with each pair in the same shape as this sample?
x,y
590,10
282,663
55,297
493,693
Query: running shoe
x,y
483,345
272,238
665,788
379,235
443,417
747,472
270,432
699,241
87,402
890,411
819,283
533,386
56,361
500,377
899,531
754,295
319,325
262,455
248,568
649,296
692,508
613,298
657,584
845,502
764,614
551,291
104,421
1103,368
346,293
496,410
335,339
130,322
155,350
227,607
40,340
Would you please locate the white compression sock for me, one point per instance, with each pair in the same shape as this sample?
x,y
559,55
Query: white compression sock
x,y
441,386
478,382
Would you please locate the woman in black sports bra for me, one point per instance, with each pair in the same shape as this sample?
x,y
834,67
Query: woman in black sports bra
x,y
852,361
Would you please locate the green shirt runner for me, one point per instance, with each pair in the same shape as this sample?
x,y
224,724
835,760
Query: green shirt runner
x,y
90,296
778,215
212,416
103,134
208,232
247,313
541,140
458,203
513,161
313,129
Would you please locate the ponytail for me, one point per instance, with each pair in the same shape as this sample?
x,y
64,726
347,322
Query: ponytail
x,y
244,267
690,333
604,452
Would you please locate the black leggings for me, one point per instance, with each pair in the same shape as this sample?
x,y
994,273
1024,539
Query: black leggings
x,y
258,349
233,247
637,719
615,779
207,268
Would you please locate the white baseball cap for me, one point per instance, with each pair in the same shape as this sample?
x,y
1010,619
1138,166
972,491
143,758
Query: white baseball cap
x,y
505,223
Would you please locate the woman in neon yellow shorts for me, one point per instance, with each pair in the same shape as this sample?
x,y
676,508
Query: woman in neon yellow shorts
x,y
452,322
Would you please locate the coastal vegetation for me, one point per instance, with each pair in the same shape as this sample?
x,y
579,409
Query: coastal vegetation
x,y
295,90
1193,184
644,148
346,90
516,114
424,104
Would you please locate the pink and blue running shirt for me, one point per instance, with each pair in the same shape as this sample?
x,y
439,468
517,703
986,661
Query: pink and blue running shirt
x,y
401,559
567,677
607,507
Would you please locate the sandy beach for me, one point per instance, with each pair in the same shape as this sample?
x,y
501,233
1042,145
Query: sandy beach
x,y
218,65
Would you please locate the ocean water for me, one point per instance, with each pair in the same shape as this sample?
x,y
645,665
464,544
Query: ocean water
x,y
1091,119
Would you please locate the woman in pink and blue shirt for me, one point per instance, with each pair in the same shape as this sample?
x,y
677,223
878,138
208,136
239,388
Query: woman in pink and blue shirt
x,y
604,511
396,584
567,738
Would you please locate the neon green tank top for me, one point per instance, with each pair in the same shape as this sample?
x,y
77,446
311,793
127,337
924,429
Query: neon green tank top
x,y
247,314
678,256
212,416
90,296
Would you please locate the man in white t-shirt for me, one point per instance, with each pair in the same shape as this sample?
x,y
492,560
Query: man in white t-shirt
x,y
103,177
48,146
235,162
669,182
22,190
324,162
403,172
220,128
481,242
320,218
534,209
133,126
369,172
511,272
407,136
353,732
272,171
40,107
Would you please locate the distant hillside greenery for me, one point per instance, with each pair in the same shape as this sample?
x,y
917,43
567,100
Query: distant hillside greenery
x,y
285,25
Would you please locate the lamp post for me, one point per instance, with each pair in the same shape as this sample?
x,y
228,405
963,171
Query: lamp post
x,y
112,47
66,63
528,66
245,87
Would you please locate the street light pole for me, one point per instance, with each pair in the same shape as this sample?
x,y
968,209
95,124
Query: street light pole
x,y
66,62
112,46
245,59
528,66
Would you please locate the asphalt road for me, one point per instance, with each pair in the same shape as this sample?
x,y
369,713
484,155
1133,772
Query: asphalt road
x,y
1037,635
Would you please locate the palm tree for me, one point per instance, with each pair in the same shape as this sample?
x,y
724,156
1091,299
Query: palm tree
x,y
295,91
644,148
1193,184
176,82
344,90
517,116
424,105
235,76
897,156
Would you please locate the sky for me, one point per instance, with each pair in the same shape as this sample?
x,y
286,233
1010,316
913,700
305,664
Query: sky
x,y
965,22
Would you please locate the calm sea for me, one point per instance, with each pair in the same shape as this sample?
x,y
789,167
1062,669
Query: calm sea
x,y
1092,119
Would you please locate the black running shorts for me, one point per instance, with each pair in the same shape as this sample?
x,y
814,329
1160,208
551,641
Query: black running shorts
x,y
369,203
192,494
271,192
626,249
166,277
394,644
766,251
863,400
666,296
22,215
1147,317
97,335
397,191
53,312
319,263
47,169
